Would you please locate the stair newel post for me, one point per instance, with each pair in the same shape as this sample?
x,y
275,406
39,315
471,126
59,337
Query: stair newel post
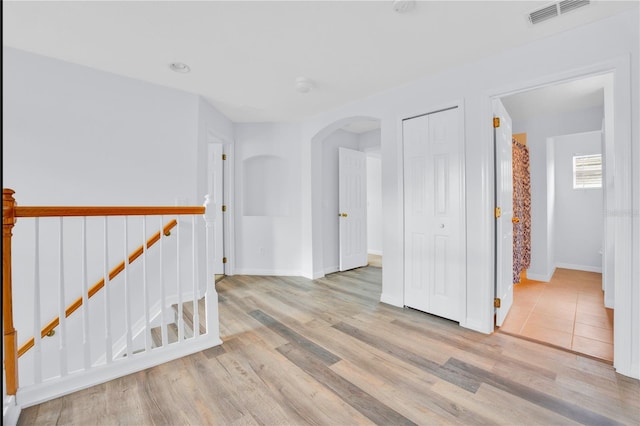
x,y
10,334
211,295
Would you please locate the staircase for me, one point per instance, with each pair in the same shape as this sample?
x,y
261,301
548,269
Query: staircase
x,y
81,342
187,320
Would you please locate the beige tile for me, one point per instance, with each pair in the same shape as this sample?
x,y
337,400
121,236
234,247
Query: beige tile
x,y
547,335
592,309
560,310
596,333
594,320
593,347
551,321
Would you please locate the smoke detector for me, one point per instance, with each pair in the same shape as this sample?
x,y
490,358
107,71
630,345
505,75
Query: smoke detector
x,y
304,85
179,67
555,9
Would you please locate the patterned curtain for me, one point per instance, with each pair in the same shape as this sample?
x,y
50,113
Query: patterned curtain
x,y
521,210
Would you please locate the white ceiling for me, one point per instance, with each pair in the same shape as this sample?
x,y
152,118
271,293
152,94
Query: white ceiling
x,y
245,56
557,99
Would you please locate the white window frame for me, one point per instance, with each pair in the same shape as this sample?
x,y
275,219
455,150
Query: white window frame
x,y
587,180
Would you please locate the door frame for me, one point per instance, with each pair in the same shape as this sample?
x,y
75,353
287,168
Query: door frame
x,y
227,197
412,113
315,152
621,212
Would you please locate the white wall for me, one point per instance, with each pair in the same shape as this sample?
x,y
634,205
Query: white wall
x,y
267,240
538,129
579,213
160,120
73,135
330,188
370,143
609,44
374,205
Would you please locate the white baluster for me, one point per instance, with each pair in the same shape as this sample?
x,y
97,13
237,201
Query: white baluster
x,y
61,308
85,300
37,322
180,318
196,316
107,299
127,290
163,303
145,287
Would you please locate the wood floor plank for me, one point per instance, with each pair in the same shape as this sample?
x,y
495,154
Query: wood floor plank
x,y
571,411
295,339
372,408
452,375
327,352
419,401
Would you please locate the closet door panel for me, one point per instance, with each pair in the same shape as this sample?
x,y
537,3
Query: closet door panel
x,y
434,269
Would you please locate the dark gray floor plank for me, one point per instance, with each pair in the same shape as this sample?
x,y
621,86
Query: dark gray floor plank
x,y
452,375
571,411
372,408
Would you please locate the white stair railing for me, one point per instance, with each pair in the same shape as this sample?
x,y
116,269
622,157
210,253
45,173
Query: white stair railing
x,y
112,336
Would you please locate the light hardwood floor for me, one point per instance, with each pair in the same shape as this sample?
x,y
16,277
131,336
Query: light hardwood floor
x,y
326,352
567,312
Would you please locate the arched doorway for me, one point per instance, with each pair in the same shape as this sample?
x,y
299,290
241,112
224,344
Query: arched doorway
x,y
360,133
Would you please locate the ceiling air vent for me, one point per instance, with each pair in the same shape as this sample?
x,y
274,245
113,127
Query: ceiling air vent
x,y
543,14
555,9
569,5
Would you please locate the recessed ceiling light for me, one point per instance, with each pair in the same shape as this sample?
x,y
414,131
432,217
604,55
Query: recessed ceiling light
x,y
179,67
304,85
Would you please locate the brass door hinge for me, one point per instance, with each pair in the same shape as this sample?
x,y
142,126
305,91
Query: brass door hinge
x,y
496,122
498,212
224,208
496,302
224,260
224,157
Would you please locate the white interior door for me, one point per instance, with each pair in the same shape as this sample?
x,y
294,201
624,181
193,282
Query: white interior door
x,y
434,247
216,194
352,205
504,211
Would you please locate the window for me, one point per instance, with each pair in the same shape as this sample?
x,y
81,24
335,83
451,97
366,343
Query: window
x,y
587,171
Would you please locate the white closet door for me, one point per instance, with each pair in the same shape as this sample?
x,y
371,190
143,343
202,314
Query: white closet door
x,y
434,248
352,202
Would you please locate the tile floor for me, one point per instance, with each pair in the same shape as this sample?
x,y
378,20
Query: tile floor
x,y
567,312
374,260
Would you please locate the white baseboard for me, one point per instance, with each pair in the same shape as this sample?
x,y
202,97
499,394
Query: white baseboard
x,y
540,277
54,388
392,300
476,325
331,269
268,272
10,411
586,268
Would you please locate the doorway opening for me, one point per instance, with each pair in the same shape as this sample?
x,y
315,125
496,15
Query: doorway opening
x,y
562,292
347,170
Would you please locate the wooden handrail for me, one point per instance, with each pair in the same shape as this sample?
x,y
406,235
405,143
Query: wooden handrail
x,y
66,211
98,285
